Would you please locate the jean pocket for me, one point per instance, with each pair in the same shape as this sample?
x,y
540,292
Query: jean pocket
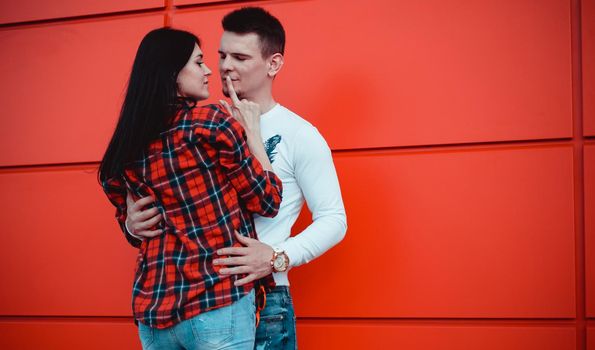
x,y
272,324
146,335
213,327
272,332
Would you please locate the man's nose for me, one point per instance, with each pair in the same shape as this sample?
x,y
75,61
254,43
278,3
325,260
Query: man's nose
x,y
225,64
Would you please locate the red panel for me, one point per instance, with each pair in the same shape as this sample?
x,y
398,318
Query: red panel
x,y
591,338
420,72
193,2
588,49
589,162
69,335
62,250
62,87
311,335
31,10
381,335
462,233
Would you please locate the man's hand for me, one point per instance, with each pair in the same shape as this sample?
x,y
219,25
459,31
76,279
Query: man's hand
x,y
254,259
140,222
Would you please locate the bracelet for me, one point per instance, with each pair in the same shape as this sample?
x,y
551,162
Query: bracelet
x,y
130,232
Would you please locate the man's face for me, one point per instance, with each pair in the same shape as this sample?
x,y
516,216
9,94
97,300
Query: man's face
x,y
240,58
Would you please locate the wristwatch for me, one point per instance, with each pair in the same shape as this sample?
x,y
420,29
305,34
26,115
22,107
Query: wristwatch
x,y
280,260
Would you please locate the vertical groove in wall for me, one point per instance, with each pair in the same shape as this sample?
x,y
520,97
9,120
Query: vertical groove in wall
x,y
578,141
169,13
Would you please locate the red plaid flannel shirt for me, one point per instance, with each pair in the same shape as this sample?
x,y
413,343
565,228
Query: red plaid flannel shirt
x,y
206,185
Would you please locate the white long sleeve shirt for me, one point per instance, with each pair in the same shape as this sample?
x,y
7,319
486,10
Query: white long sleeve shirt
x,y
302,160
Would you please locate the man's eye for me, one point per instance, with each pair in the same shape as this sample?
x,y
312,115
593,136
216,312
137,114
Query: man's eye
x,y
200,63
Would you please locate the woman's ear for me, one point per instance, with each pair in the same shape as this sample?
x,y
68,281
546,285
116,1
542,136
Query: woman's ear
x,y
275,64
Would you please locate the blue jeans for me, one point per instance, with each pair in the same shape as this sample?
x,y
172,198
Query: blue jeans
x,y
276,330
231,328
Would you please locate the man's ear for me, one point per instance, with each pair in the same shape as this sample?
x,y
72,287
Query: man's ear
x,y
275,64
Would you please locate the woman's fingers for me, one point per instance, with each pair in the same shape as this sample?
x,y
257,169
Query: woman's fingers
x,y
227,107
244,111
232,92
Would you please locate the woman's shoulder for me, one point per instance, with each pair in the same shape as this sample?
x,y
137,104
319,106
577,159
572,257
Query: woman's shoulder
x,y
214,113
212,120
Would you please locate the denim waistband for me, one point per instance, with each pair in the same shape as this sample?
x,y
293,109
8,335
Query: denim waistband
x,y
280,289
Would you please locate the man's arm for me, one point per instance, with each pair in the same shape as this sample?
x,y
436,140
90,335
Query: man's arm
x,y
317,178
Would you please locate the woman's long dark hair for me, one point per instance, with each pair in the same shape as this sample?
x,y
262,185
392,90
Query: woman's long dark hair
x,y
150,100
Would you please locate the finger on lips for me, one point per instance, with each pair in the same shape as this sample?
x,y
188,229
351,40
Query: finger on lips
x,y
232,92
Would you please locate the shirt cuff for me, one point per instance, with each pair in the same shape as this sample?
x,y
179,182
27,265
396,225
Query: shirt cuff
x,y
275,181
292,252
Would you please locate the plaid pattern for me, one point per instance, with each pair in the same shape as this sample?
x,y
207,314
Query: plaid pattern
x,y
206,184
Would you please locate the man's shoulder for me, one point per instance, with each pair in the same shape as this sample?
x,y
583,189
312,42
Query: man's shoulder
x,y
297,131
290,123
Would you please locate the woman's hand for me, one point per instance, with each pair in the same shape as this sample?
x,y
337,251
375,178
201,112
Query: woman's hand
x,y
247,113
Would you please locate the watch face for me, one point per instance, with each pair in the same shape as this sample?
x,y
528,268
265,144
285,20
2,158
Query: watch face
x,y
279,263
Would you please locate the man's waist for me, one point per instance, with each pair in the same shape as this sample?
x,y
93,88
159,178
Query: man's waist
x,y
281,279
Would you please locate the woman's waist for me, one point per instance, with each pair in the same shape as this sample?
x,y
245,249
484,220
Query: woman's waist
x,y
183,300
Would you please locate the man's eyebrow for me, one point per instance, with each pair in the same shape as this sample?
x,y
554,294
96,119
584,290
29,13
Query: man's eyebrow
x,y
199,56
234,53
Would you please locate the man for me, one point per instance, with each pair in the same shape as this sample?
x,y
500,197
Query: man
x,y
251,55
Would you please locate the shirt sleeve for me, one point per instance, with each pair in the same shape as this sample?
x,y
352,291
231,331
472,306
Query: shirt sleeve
x,y
259,189
316,176
115,189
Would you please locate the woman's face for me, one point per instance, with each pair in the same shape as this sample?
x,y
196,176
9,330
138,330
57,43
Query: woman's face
x,y
193,79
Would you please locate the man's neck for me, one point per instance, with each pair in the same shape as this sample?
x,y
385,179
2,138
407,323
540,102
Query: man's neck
x,y
265,100
268,105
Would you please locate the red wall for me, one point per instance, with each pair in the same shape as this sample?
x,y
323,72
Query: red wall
x,y
464,139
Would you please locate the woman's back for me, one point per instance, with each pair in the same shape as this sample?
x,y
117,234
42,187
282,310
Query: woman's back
x,y
206,185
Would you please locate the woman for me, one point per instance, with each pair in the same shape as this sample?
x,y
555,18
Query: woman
x,y
195,162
